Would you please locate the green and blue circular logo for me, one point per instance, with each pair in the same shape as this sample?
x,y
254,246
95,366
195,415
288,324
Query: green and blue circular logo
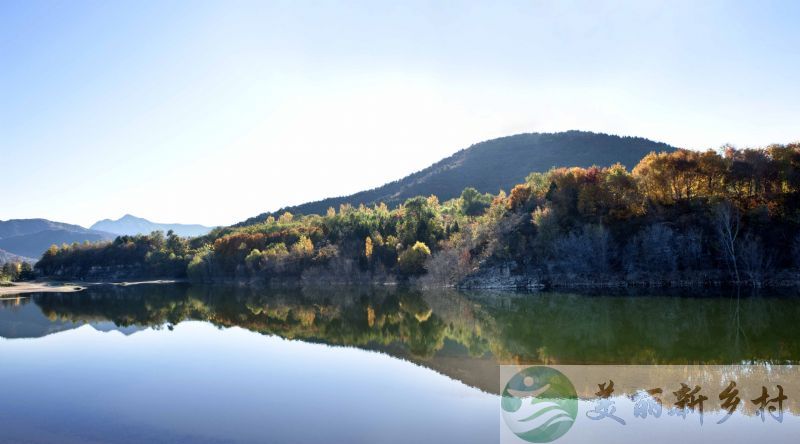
x,y
539,404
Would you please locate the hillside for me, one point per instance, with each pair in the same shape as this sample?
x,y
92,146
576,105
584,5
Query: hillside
x,y
5,256
494,165
31,237
33,245
132,225
679,218
21,227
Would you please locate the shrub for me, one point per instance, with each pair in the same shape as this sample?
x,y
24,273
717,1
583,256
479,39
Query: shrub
x,y
412,260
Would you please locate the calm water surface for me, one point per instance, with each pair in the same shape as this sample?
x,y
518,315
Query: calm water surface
x,y
179,363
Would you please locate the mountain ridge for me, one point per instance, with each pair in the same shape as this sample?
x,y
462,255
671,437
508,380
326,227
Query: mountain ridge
x,y
21,227
29,238
476,166
132,225
5,256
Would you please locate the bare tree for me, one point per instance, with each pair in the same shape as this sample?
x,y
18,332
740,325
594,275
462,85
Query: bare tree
x,y
727,222
755,262
447,267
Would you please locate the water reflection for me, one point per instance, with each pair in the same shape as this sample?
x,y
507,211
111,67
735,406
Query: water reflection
x,y
462,335
237,359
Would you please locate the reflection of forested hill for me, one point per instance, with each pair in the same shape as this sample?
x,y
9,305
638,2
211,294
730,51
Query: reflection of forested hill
x,y
577,329
20,319
463,336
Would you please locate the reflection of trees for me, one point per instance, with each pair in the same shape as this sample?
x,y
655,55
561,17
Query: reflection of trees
x,y
569,328
364,318
125,306
464,336
546,327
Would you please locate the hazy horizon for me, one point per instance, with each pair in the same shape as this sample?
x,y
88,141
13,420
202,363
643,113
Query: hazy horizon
x,y
210,113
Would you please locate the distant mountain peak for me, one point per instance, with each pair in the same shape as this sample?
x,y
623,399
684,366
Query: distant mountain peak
x,y
132,225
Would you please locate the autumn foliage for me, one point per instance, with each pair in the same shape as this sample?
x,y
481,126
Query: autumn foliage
x,y
659,221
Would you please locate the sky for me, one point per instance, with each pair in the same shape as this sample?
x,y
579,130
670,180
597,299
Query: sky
x,y
214,111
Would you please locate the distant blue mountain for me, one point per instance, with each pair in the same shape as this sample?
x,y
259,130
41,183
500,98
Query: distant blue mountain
x,y
5,256
132,225
31,237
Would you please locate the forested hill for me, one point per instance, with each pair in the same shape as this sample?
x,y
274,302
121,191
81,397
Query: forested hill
x,y
494,165
679,218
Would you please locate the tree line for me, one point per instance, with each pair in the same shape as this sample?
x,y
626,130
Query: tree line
x,y
16,271
730,215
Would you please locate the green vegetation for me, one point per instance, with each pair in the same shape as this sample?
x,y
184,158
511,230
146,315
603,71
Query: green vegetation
x,y
16,271
152,255
728,216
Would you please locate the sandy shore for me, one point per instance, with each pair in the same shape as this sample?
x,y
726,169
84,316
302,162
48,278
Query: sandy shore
x,y
66,287
39,287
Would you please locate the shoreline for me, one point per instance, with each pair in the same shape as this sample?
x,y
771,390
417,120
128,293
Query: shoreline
x,y
17,288
493,282
53,286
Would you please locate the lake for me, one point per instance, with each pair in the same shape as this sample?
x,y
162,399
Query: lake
x,y
202,364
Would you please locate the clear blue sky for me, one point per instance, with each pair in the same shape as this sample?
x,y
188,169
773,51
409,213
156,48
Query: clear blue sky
x,y
211,112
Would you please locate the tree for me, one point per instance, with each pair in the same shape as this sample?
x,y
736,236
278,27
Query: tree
x,y
518,197
253,260
622,195
420,221
157,240
727,221
474,203
655,177
412,260
201,266
303,247
368,247
176,244
9,272
285,218
52,251
712,169
755,261
275,252
26,272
